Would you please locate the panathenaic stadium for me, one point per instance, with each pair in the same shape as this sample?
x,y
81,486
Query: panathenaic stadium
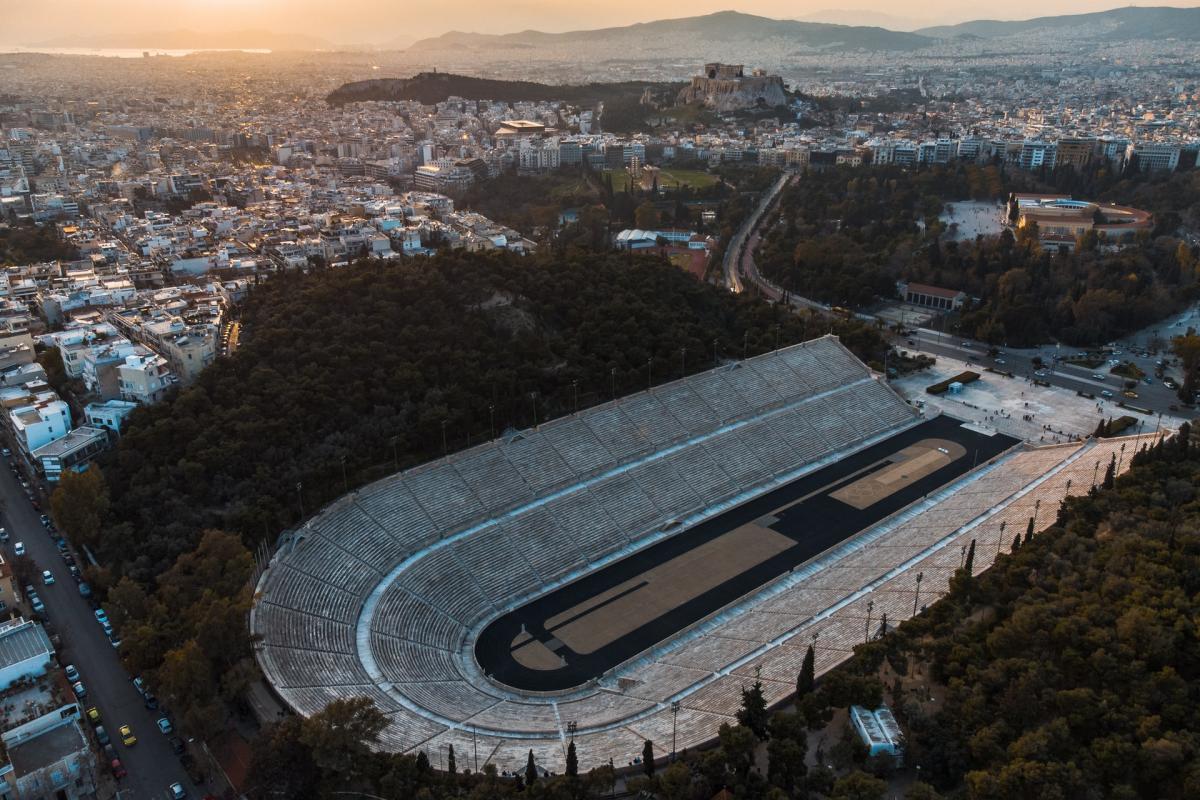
x,y
620,574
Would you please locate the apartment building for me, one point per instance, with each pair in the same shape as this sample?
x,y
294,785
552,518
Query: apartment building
x,y
145,378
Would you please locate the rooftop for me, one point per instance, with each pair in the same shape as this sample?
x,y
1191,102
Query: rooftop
x,y
22,640
45,749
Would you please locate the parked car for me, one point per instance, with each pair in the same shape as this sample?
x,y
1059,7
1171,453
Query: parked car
x,y
127,737
165,726
47,577
5,452
102,735
36,603
79,689
176,792
45,520
150,700
19,548
108,628
177,745
72,673
101,616
118,769
115,641
1105,393
3,535
85,590
93,715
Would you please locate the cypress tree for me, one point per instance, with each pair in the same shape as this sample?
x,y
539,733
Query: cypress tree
x,y
648,758
572,761
450,766
969,567
530,770
1029,531
1016,543
807,679
1110,473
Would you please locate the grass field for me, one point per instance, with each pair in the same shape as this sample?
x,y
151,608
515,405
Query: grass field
x,y
667,179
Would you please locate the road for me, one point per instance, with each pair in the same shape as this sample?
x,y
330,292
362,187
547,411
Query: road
x,y
1155,396
151,763
749,229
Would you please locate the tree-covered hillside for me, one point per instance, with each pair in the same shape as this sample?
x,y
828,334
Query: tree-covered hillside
x,y
344,375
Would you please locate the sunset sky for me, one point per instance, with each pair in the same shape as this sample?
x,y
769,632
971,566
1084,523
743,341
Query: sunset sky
x,y
373,21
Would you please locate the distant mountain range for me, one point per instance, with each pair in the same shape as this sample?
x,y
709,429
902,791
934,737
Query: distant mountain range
x,y
725,34
191,40
730,27
1117,24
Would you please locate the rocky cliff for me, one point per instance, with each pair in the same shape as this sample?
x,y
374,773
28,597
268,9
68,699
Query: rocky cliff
x,y
736,94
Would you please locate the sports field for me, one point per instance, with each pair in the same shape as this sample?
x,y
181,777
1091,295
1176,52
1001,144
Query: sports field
x,y
581,630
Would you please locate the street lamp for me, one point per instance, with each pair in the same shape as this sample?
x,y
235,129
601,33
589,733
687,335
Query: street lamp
x,y
920,577
867,632
345,481
575,390
300,494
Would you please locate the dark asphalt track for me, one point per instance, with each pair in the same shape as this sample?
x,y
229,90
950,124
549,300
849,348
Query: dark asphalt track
x,y
815,525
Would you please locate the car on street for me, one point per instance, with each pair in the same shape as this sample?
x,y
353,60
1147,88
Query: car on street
x,y
1106,393
36,603
19,547
93,715
3,535
6,452
47,577
118,769
1132,395
1170,384
45,520
101,616
115,641
176,792
177,745
127,737
85,590
1096,376
102,735
79,689
108,628
165,726
72,673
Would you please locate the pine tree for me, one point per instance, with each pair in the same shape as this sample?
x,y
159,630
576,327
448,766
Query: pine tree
x,y
1016,543
1101,430
1110,473
648,758
423,763
807,677
572,761
450,766
1029,531
531,770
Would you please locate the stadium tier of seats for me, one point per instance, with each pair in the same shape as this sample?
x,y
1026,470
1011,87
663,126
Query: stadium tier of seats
x,y
382,593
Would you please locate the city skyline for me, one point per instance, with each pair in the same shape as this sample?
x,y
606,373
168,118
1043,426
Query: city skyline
x,y
357,22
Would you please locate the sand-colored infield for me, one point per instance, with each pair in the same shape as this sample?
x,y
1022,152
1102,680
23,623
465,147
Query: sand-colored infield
x,y
908,466
606,617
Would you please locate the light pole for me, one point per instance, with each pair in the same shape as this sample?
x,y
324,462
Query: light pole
x,y
682,361
475,747
575,391
1000,538
300,494
492,420
674,716
612,374
345,481
867,631
444,448
920,577
396,452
